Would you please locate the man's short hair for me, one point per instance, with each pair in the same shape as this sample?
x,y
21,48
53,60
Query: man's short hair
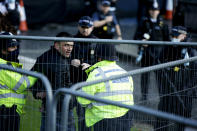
x,y
63,34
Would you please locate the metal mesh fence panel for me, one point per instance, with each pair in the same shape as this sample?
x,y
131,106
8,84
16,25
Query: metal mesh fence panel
x,y
31,50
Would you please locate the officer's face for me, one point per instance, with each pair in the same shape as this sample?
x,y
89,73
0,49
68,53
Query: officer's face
x,y
105,9
85,31
9,49
180,37
65,48
154,13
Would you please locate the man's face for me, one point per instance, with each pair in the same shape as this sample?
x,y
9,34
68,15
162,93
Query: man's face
x,y
65,48
105,9
85,31
9,49
154,13
180,37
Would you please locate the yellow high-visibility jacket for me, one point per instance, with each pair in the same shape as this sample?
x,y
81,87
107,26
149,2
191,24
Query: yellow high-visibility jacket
x,y
13,86
120,90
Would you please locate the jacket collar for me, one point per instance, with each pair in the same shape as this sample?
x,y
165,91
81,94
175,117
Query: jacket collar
x,y
81,36
100,64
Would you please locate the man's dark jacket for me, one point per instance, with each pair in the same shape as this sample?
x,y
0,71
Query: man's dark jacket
x,y
56,68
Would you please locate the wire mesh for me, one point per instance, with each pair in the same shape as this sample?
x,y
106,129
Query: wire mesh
x,y
30,50
178,100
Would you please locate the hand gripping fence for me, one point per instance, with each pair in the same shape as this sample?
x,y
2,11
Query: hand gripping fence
x,y
72,91
47,85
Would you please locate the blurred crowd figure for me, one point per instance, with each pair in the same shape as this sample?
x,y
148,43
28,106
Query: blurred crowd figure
x,y
103,13
10,10
91,6
5,25
106,25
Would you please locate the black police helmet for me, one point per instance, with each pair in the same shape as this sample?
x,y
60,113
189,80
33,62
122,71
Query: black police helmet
x,y
177,30
6,43
106,52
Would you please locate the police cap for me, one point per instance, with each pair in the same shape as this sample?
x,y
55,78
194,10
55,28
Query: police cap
x,y
85,21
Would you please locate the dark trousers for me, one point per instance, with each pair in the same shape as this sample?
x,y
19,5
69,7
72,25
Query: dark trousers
x,y
9,119
145,77
81,118
172,102
71,126
172,105
147,60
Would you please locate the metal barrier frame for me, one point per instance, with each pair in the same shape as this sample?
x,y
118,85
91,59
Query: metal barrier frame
x,y
47,85
72,90
109,41
51,122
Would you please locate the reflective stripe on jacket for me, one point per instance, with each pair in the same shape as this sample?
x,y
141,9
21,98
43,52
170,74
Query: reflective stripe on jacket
x,y
13,86
120,90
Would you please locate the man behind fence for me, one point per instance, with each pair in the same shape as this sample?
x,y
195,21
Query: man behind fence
x,y
104,117
13,86
55,64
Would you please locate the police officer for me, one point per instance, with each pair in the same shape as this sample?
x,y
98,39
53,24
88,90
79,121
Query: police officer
x,y
174,83
106,117
105,22
13,86
83,53
152,29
